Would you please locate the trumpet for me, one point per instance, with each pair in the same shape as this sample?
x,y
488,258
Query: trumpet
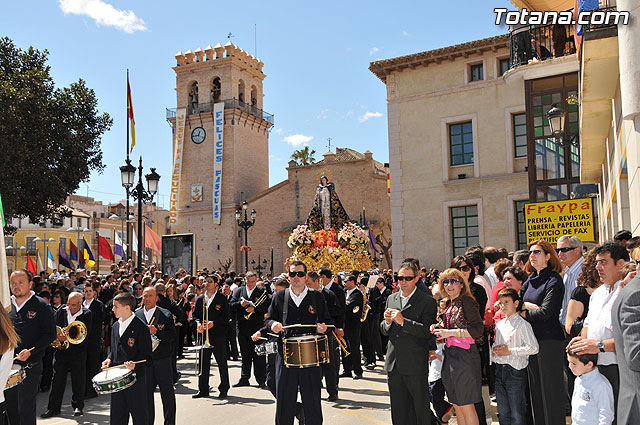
x,y
76,332
259,301
342,343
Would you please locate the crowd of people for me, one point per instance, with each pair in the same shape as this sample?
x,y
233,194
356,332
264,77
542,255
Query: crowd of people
x,y
550,331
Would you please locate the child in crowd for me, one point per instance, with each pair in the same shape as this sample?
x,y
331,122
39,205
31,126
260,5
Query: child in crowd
x,y
443,409
592,401
514,343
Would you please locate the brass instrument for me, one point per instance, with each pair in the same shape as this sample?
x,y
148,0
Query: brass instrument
x,y
342,343
259,301
76,332
365,309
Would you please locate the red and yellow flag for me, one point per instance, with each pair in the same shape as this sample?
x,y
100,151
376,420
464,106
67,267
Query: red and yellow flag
x,y
130,116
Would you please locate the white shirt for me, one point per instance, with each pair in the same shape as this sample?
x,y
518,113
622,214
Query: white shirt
x,y
515,332
87,303
491,275
148,314
249,292
13,300
592,400
72,317
435,367
209,299
297,299
598,321
5,370
570,281
328,285
404,300
124,324
350,291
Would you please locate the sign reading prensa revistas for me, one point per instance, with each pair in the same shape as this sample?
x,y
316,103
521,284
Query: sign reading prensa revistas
x,y
550,220
218,132
176,174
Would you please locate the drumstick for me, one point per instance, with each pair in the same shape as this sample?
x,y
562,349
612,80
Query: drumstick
x,y
261,337
16,357
272,334
298,325
122,365
152,319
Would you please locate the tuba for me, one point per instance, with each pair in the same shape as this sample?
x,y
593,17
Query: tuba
x,y
76,332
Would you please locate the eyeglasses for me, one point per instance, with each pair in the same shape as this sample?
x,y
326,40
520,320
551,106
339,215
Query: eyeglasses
x,y
405,278
565,249
209,281
299,274
464,268
535,251
450,282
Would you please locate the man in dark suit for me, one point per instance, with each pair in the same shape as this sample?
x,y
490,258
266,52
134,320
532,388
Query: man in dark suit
x,y
180,317
408,316
72,359
232,339
245,302
34,323
213,306
94,337
378,297
160,323
352,326
130,342
625,317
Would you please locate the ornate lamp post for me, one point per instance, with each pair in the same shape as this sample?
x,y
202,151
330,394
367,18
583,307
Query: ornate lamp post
x,y
141,195
556,116
128,176
245,224
261,265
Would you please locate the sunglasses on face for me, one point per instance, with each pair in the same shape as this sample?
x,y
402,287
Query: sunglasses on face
x,y
299,274
564,249
209,281
405,278
464,268
535,251
450,282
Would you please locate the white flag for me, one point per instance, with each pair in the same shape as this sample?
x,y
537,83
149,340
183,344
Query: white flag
x,y
50,260
40,262
134,239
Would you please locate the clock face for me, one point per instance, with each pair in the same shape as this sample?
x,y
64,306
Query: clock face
x,y
198,135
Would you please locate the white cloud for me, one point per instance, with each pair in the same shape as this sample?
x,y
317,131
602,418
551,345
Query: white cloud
x,y
277,131
368,115
373,51
104,14
404,33
324,114
296,140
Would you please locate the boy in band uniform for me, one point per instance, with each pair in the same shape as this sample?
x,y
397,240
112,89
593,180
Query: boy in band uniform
x,y
130,342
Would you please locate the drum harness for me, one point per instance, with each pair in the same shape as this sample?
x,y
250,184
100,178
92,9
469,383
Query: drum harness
x,y
285,308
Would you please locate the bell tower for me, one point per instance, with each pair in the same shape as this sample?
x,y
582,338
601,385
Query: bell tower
x,y
220,147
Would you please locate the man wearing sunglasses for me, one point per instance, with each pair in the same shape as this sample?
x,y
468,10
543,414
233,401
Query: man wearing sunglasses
x,y
408,316
297,305
569,249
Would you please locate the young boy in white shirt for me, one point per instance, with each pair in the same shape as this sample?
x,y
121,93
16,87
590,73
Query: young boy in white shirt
x,y
514,343
444,409
592,400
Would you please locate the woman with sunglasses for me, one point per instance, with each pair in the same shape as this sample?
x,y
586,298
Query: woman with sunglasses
x,y
460,324
542,296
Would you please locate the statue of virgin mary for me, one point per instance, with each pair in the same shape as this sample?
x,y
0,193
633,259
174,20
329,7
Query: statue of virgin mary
x,y
327,210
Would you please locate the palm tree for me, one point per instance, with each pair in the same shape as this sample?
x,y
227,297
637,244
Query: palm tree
x,y
303,156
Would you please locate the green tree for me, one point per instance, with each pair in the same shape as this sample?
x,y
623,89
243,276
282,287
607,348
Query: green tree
x,y
49,137
303,156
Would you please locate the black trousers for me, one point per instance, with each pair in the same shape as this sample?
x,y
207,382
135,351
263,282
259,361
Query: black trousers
x,y
368,350
156,375
352,363
546,382
249,357
47,367
330,370
232,332
62,364
288,381
130,402
271,374
219,351
613,376
21,400
182,332
94,360
376,337
409,396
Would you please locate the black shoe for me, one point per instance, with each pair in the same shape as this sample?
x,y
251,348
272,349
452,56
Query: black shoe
x,y
345,375
50,413
77,412
262,386
381,358
333,398
242,383
222,395
357,376
370,366
200,394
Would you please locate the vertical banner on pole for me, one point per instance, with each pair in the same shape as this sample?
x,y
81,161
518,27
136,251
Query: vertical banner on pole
x,y
174,200
218,137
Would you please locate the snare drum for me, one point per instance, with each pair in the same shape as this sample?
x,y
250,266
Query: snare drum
x,y
267,348
17,375
113,380
306,351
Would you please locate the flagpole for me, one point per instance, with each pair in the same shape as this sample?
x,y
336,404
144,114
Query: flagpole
x,y
98,238
127,189
5,294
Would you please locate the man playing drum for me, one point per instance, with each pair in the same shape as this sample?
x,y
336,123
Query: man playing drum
x,y
298,306
130,342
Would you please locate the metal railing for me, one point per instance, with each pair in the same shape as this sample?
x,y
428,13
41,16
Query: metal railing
x,y
540,43
610,21
228,104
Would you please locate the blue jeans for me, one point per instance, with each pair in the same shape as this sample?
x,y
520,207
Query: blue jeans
x,y
510,394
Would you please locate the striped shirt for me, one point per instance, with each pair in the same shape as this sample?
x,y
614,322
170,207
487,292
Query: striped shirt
x,y
570,282
516,333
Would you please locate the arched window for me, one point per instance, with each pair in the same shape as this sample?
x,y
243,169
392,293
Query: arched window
x,y
241,91
254,96
216,90
193,97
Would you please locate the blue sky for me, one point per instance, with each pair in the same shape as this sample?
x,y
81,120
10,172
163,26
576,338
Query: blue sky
x,y
316,57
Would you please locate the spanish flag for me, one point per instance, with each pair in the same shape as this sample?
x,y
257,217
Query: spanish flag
x,y
130,115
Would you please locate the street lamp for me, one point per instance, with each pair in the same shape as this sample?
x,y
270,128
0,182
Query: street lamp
x,y
245,224
556,116
78,230
127,176
45,240
141,195
262,265
11,250
122,220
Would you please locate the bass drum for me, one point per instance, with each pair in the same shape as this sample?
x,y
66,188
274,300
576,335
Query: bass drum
x,y
17,375
113,380
306,351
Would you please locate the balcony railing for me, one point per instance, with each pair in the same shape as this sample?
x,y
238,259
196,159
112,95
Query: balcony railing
x,y
609,24
542,42
228,104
